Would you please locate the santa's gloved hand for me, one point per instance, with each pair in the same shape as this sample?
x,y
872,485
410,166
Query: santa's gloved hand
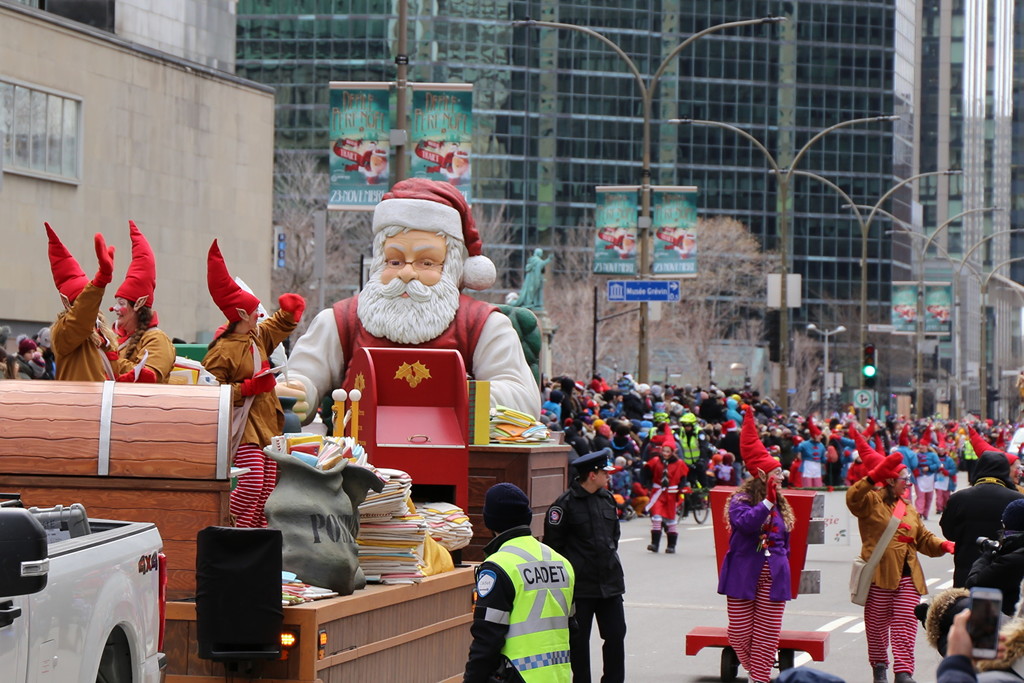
x,y
949,546
258,385
146,376
105,257
293,303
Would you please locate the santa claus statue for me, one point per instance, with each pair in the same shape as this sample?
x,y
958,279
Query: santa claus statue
x,y
425,250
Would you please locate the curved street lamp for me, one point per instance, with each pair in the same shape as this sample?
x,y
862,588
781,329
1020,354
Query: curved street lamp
x,y
647,90
782,178
826,388
929,240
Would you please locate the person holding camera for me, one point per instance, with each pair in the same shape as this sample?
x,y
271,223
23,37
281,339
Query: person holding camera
x,y
977,511
1001,564
898,581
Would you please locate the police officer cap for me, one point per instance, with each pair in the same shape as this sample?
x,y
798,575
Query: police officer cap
x,y
592,462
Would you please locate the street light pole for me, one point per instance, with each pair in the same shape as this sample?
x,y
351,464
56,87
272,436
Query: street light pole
x,y
647,90
826,390
983,355
782,177
919,320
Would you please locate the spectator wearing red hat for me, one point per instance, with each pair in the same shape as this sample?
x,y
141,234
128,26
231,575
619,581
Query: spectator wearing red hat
x,y
239,357
755,576
145,353
897,582
667,471
29,362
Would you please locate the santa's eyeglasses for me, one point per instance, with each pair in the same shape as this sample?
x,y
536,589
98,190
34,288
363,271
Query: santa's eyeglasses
x,y
417,265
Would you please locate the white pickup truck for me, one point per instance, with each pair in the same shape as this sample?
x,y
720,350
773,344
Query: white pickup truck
x,y
81,599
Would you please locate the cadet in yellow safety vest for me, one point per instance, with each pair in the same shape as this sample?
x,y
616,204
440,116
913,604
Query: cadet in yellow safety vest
x,y
523,600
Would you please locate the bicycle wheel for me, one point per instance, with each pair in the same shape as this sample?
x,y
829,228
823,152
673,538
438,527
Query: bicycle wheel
x,y
700,508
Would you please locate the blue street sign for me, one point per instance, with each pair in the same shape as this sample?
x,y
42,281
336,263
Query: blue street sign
x,y
643,290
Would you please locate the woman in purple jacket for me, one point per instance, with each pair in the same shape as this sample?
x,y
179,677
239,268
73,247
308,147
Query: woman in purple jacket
x,y
755,572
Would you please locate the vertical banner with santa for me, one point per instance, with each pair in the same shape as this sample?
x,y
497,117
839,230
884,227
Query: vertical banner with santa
x,y
360,129
615,238
904,307
938,308
441,133
674,223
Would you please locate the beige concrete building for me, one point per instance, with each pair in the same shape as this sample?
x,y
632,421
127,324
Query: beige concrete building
x,y
96,130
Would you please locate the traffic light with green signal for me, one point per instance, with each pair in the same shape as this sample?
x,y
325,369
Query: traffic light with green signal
x,y
869,365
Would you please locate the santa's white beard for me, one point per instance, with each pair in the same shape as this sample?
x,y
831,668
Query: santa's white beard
x,y
417,318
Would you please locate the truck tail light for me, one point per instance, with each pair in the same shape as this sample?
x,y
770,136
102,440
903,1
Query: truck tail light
x,y
162,579
289,639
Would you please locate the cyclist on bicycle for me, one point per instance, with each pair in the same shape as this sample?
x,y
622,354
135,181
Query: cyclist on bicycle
x,y
695,447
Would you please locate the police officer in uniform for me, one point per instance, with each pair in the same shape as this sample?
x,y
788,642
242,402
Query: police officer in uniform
x,y
694,447
524,594
582,525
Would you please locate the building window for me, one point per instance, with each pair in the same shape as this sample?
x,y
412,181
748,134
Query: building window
x,y
40,132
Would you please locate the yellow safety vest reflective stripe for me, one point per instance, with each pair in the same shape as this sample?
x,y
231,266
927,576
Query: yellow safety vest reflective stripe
x,y
537,642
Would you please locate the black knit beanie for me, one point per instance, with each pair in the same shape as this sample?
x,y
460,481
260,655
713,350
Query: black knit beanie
x,y
506,506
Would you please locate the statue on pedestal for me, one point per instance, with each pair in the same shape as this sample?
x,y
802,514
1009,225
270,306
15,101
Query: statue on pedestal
x,y
532,293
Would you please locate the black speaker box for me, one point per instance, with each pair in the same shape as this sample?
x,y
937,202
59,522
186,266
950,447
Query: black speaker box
x,y
238,593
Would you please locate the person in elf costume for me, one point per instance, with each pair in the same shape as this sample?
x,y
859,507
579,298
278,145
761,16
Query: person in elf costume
x,y
425,249
668,472
145,353
83,344
239,356
755,576
898,582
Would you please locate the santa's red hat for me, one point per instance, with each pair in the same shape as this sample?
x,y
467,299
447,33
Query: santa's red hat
x,y
437,207
67,274
729,426
231,299
140,280
812,428
755,456
905,435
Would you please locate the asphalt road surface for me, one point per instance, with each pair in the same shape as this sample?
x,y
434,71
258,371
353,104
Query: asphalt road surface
x,y
667,595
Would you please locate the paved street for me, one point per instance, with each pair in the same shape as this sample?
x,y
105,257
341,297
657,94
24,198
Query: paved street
x,y
667,595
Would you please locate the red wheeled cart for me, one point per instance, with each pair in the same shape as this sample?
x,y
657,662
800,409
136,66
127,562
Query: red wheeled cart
x,y
814,643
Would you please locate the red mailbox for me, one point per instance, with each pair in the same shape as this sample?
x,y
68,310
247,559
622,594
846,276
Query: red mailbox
x,y
413,414
801,502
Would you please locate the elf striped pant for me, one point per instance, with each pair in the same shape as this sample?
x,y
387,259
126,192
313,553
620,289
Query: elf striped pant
x,y
253,489
754,627
669,523
889,618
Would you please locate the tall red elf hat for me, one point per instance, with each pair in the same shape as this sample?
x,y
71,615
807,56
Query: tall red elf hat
x,y
871,428
139,283
905,435
926,438
980,445
868,455
233,301
664,437
67,274
813,428
755,456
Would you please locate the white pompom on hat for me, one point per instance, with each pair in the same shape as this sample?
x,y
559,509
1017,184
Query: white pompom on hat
x,y
438,207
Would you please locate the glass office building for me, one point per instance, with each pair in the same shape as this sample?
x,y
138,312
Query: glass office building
x,y
558,113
